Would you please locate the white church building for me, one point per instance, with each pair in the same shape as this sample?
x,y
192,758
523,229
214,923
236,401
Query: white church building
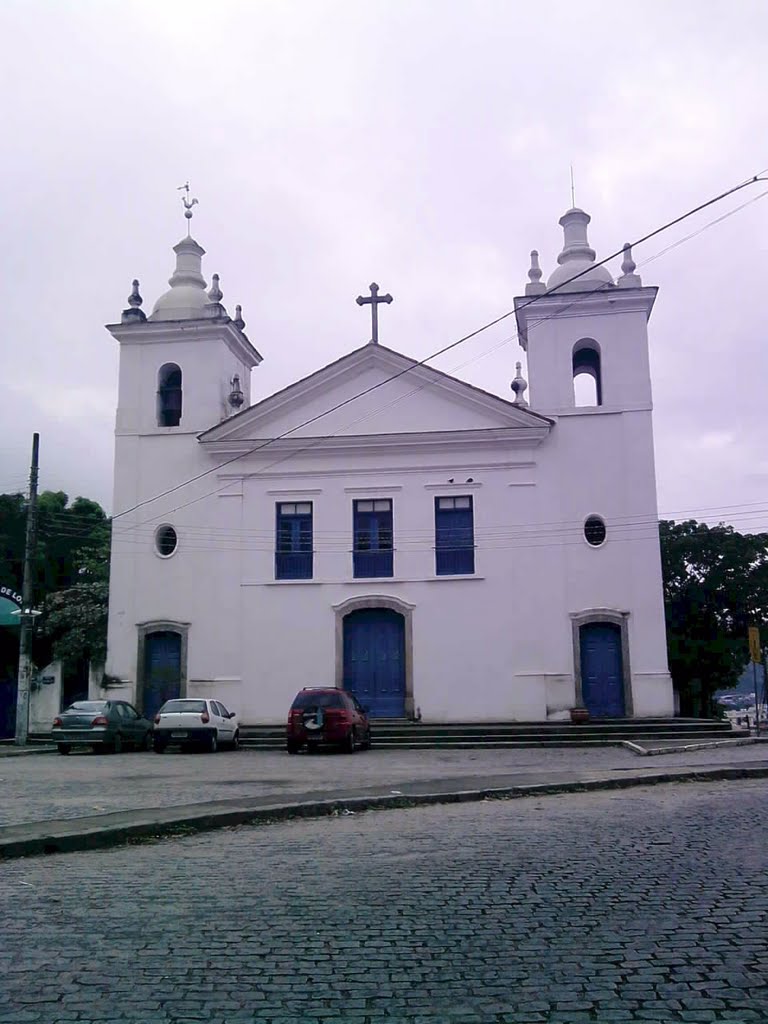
x,y
442,552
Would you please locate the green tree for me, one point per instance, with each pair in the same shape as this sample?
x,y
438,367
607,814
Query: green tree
x,y
74,620
715,586
71,580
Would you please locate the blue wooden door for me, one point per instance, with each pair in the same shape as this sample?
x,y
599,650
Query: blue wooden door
x,y
162,670
602,677
374,660
9,668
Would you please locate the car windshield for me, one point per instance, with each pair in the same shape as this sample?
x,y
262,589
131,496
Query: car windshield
x,y
87,705
318,699
181,707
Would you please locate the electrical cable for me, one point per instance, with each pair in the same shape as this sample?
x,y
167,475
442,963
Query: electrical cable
x,y
446,348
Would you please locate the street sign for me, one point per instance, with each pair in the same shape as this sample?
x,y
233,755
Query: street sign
x,y
754,645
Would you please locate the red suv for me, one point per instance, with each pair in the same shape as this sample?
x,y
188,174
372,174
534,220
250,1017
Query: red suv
x,y
323,715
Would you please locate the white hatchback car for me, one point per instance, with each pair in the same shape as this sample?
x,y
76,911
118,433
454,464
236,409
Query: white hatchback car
x,y
196,720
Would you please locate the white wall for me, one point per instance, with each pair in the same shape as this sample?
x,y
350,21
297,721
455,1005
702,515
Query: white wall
x,y
496,646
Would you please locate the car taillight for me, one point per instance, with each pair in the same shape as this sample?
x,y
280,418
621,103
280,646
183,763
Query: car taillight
x,y
57,723
157,719
205,717
100,720
338,715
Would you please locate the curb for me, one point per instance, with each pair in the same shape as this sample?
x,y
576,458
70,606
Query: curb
x,y
66,837
684,748
25,751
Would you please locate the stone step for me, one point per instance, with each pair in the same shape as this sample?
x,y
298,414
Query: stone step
x,y
407,735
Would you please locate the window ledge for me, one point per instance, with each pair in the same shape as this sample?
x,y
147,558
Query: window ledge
x,y
363,581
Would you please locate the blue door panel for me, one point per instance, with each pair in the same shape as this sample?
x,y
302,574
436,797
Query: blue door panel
x,y
602,677
162,670
374,660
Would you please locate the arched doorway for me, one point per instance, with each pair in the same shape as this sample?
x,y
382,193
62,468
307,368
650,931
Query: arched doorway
x,y
162,670
374,666
602,671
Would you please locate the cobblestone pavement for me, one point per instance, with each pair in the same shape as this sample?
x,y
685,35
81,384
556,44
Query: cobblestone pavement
x,y
643,905
46,786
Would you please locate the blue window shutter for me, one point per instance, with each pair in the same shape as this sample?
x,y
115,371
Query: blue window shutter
x,y
372,554
293,543
454,540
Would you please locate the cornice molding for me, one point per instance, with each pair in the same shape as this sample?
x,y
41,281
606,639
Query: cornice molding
x,y
447,441
168,332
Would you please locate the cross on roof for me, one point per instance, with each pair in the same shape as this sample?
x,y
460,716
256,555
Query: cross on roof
x,y
373,301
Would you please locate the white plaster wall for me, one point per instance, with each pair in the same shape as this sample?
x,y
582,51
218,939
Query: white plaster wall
x,y
494,647
45,698
498,646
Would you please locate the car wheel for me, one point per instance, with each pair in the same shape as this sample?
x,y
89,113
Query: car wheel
x,y
117,744
366,744
159,746
292,748
146,743
64,748
236,741
213,744
349,746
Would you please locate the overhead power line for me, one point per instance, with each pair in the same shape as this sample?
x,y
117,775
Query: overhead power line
x,y
446,348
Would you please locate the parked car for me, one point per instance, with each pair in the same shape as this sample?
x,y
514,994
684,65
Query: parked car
x,y
102,725
197,721
322,715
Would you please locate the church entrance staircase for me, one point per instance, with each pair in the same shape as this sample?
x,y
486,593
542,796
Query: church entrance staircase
x,y
405,735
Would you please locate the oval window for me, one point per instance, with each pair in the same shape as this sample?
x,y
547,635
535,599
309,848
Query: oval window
x,y
594,530
165,540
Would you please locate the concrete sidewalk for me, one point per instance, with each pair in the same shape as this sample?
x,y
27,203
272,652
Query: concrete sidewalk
x,y
274,787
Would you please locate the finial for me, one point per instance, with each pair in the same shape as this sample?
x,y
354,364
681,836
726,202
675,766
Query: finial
x,y
534,274
188,204
236,396
213,307
215,294
573,190
519,386
629,279
238,321
134,302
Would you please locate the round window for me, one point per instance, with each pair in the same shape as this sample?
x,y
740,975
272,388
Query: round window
x,y
165,540
594,530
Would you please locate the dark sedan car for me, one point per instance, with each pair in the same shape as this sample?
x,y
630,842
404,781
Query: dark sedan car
x,y
101,725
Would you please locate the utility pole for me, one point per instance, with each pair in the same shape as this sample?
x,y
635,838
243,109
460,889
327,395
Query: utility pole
x,y
27,614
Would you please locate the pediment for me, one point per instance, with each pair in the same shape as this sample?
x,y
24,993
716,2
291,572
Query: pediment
x,y
375,391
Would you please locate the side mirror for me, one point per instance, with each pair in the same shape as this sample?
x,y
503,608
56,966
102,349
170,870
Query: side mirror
x,y
233,714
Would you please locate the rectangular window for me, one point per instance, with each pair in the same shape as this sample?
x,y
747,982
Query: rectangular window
x,y
372,553
293,541
454,536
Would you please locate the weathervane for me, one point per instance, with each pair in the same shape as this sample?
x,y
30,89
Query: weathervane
x,y
188,204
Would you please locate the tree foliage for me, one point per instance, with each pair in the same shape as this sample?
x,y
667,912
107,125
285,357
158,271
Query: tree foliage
x,y
71,577
715,586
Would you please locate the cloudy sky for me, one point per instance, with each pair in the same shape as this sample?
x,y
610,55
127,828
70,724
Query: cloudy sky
x,y
424,144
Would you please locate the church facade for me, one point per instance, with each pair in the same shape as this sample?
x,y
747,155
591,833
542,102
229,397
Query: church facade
x,y
444,553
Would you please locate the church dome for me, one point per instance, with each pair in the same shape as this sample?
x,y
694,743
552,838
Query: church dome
x,y
577,257
186,299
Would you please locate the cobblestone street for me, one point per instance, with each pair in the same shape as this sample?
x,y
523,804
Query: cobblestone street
x,y
642,905
47,786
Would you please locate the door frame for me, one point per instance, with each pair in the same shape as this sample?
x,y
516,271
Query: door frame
x,y
609,617
160,626
355,604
